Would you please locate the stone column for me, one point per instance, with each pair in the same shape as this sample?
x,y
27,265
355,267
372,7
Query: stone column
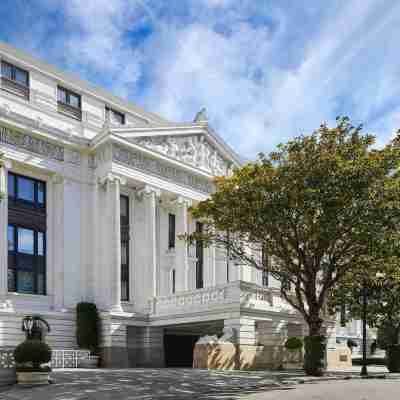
x,y
113,207
3,230
182,270
151,196
57,240
244,329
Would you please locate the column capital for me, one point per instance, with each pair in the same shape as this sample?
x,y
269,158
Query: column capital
x,y
184,201
111,178
57,179
147,191
4,163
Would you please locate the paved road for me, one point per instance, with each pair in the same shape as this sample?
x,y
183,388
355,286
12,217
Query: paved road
x,y
145,384
189,384
371,389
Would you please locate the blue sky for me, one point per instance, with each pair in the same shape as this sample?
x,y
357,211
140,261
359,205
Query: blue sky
x,y
266,70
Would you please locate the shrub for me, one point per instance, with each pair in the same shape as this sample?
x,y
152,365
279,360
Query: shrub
x,y
293,343
393,357
314,355
87,326
33,352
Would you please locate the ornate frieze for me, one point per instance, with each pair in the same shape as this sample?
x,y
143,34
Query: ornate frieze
x,y
146,163
194,150
29,143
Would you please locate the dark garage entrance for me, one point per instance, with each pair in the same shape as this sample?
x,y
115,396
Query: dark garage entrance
x,y
179,341
179,350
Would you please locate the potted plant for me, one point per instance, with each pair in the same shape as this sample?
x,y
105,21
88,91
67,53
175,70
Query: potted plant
x,y
31,357
87,333
294,356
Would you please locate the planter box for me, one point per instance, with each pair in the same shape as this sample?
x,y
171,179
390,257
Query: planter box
x,y
33,378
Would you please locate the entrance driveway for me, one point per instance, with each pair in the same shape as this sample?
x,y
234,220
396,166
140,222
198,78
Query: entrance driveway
x,y
143,384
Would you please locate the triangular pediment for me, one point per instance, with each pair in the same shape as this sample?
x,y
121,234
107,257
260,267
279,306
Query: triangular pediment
x,y
196,150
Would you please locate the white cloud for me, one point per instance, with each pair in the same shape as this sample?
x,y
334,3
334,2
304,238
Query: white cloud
x,y
264,70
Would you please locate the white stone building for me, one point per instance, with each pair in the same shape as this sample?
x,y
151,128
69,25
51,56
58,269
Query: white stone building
x,y
96,194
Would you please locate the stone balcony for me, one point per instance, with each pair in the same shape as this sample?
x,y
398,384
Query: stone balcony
x,y
236,297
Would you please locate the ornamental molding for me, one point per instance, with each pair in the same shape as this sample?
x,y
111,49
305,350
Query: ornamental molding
x,y
111,179
155,166
194,150
38,146
34,145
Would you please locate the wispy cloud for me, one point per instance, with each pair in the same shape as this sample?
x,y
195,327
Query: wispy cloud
x,y
265,70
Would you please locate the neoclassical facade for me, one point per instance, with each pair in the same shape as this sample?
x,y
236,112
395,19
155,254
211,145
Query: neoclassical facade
x,y
96,195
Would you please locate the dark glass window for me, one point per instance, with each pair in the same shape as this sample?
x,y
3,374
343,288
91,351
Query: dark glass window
x,y
26,191
26,260
11,185
124,210
26,235
173,281
14,73
69,103
199,258
171,231
114,117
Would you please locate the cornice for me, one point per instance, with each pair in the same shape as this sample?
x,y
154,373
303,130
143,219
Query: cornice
x,y
67,79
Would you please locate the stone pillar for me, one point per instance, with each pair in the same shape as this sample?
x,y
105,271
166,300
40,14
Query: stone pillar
x,y
151,196
244,329
3,230
57,212
182,270
113,207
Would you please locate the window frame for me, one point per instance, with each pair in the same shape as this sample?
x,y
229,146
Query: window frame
x,y
15,255
11,84
110,110
16,200
125,229
65,107
171,231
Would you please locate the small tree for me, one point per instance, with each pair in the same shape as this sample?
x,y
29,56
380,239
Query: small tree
x,y
314,207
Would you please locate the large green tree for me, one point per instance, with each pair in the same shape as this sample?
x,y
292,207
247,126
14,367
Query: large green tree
x,y
316,206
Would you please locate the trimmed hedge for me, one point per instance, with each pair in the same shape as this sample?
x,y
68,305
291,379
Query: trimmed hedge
x,y
314,355
293,343
393,358
34,352
87,326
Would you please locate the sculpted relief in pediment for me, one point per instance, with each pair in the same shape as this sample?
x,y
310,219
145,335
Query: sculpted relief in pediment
x,y
193,150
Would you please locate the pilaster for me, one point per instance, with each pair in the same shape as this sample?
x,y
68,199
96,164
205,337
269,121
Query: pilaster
x,y
150,196
112,184
182,265
4,166
57,203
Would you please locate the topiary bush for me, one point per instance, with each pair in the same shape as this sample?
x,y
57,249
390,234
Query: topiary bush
x,y
314,355
87,326
293,343
34,353
393,357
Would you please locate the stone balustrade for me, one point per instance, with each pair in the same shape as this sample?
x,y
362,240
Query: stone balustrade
x,y
235,294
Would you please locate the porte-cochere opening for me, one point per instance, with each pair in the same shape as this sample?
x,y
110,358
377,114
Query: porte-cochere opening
x,y
179,342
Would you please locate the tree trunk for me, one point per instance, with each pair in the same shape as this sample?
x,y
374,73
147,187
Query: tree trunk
x,y
314,347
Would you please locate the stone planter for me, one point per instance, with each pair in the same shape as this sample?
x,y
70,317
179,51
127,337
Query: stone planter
x,y
33,378
91,362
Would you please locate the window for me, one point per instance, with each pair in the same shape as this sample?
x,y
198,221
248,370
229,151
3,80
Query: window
x,y
199,258
24,191
173,281
114,117
26,235
69,103
171,231
124,211
14,80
